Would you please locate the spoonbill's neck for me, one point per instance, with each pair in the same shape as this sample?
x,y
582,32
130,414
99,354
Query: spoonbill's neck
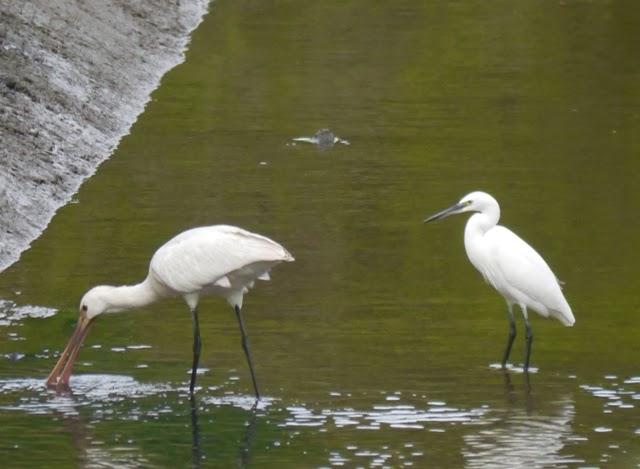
x,y
131,296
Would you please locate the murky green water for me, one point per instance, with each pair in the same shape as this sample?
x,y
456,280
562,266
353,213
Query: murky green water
x,y
375,348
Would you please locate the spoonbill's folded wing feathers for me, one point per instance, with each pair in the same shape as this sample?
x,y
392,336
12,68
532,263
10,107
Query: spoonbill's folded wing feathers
x,y
208,255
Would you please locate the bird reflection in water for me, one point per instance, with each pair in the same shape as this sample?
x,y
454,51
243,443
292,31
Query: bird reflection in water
x,y
90,451
196,450
246,446
533,434
511,392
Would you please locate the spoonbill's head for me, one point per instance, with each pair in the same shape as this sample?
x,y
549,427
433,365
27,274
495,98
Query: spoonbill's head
x,y
477,201
93,303
98,300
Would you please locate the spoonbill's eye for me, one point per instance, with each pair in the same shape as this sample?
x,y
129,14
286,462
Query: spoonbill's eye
x,y
84,308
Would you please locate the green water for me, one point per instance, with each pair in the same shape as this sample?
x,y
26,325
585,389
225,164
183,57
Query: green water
x,y
375,348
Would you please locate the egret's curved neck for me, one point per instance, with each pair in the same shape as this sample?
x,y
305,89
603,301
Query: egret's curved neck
x,y
481,222
131,296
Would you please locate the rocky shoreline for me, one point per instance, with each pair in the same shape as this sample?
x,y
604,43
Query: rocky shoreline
x,y
74,76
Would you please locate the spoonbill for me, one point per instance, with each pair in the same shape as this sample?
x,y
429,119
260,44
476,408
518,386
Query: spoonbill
x,y
221,260
510,265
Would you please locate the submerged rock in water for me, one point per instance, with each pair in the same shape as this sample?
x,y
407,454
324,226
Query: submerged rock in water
x,y
324,138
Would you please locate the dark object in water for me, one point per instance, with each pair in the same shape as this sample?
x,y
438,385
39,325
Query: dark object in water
x,y
324,138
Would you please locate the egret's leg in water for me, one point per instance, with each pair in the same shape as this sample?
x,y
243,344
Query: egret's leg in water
x,y
529,338
512,335
247,351
197,344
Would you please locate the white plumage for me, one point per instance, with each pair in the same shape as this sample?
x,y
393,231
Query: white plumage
x,y
221,260
509,264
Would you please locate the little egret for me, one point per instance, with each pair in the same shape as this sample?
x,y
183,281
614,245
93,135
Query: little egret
x,y
221,260
510,265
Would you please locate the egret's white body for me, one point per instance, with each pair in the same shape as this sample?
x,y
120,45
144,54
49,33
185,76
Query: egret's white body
x,y
220,260
509,264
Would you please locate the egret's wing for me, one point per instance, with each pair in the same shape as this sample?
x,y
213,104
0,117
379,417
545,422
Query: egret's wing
x,y
204,256
516,265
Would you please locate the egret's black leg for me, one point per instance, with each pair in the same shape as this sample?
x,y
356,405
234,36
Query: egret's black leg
x,y
512,336
245,346
196,348
529,338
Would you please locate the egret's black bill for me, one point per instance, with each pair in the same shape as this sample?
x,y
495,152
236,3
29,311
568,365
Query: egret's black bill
x,y
445,213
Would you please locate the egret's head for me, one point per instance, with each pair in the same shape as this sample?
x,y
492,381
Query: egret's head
x,y
95,302
473,202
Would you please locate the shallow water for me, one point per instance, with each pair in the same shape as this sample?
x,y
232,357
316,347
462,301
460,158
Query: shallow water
x,y
378,346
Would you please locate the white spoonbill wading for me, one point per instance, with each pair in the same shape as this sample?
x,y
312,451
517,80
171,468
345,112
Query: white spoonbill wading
x,y
221,260
510,265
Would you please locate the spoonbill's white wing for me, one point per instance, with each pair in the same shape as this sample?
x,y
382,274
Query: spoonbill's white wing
x,y
516,270
215,255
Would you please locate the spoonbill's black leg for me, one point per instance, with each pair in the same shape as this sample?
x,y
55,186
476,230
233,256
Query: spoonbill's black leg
x,y
529,338
196,348
512,336
247,351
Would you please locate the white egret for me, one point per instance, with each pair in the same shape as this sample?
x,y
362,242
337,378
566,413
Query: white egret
x,y
221,260
510,265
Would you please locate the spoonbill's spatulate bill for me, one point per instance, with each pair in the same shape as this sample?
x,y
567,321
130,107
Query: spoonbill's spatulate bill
x,y
510,265
221,260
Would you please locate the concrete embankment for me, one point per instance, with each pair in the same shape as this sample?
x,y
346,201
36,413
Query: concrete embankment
x,y
74,76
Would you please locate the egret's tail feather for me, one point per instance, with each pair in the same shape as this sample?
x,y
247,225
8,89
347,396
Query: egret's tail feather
x,y
287,256
565,317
